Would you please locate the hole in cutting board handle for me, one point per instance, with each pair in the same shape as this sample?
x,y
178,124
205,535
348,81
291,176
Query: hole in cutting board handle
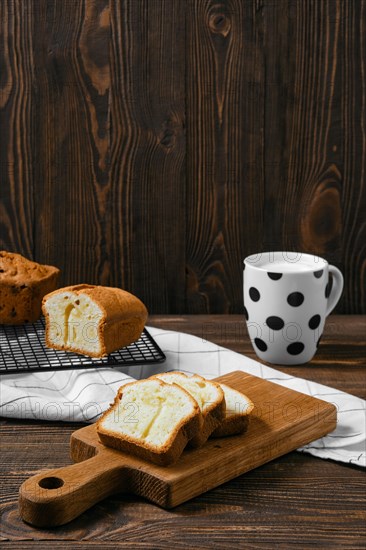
x,y
51,483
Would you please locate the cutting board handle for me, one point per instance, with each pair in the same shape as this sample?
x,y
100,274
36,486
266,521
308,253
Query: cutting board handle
x,y
57,496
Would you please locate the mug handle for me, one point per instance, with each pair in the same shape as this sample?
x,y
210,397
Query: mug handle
x,y
336,288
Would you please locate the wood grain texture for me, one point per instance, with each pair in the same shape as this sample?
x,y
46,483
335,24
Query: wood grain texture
x,y
16,104
293,501
71,180
313,89
147,217
225,116
153,144
101,471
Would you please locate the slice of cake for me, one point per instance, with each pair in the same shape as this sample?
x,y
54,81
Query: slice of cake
x,y
23,284
92,320
209,396
237,415
150,419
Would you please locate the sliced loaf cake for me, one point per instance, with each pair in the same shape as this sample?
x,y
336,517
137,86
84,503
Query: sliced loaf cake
x,y
150,419
237,415
208,395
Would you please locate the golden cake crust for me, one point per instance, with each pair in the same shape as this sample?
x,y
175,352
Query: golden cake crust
x,y
23,283
124,317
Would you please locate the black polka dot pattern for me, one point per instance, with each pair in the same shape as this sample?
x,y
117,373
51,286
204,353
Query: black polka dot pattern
x,y
295,299
262,346
254,294
274,276
277,318
295,348
275,323
314,322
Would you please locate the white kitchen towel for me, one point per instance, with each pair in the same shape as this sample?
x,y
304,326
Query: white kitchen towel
x,y
82,395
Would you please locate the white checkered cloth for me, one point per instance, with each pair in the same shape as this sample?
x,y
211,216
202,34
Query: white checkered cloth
x,y
82,395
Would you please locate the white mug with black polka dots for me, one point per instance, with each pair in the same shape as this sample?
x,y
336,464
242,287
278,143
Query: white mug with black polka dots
x,y
287,297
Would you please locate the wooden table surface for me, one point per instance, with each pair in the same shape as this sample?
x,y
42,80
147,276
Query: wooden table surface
x,y
292,501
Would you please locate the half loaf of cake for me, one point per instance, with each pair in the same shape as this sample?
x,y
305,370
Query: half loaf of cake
x,y
151,420
23,284
92,320
209,396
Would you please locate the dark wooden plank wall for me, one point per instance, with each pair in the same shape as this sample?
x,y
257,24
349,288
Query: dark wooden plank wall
x,y
153,144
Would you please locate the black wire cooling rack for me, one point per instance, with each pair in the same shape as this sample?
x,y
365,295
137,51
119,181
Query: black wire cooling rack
x,y
22,350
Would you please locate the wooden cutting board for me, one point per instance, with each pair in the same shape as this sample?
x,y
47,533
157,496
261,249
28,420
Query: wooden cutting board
x,y
282,421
